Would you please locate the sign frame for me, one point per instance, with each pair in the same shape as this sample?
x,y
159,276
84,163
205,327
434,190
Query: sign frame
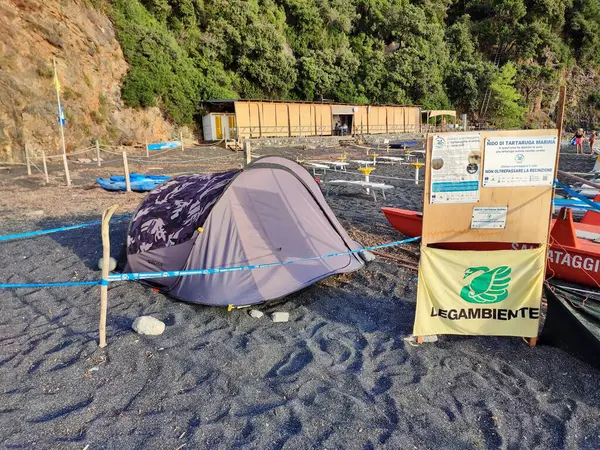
x,y
528,216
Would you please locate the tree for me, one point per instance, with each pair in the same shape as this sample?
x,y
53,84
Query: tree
x,y
505,108
435,53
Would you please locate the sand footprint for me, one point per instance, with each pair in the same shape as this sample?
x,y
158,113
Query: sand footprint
x,y
292,364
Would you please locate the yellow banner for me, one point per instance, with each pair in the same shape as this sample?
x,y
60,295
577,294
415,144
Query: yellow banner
x,y
480,292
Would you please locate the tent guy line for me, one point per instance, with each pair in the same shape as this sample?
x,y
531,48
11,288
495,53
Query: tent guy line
x,y
180,273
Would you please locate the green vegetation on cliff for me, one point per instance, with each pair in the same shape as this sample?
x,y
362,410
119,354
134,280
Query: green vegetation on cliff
x,y
497,60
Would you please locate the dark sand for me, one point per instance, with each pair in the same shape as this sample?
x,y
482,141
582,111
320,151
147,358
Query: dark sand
x,y
338,375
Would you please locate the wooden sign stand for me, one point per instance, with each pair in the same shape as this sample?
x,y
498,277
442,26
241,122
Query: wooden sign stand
x,y
528,208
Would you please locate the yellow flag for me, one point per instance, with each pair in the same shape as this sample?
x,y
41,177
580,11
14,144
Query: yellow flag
x,y
480,293
56,82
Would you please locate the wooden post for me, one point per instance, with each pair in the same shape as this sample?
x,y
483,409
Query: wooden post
x,y
66,165
181,140
106,215
126,168
45,167
98,153
247,152
147,151
27,160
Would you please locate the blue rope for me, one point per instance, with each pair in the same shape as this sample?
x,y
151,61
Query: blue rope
x,y
183,273
29,234
577,195
45,285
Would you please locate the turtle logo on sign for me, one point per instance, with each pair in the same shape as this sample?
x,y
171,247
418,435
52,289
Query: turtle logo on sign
x,y
520,157
490,286
440,142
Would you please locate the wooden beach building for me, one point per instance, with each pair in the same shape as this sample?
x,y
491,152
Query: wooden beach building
x,y
238,119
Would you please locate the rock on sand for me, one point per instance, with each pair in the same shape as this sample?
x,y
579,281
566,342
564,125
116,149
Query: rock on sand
x,y
280,316
256,313
148,325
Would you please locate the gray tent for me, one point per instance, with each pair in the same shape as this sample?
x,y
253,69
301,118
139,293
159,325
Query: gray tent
x,y
271,211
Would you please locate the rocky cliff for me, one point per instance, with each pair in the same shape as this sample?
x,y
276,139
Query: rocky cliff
x,y
90,66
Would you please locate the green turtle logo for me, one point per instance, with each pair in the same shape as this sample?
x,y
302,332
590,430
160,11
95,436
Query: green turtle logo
x,y
490,286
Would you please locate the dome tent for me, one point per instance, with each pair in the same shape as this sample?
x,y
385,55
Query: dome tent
x,y
271,211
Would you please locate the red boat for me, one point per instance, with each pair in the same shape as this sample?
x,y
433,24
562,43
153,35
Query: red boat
x,y
574,254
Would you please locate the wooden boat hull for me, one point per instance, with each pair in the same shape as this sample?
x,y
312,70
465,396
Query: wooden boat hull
x,y
569,257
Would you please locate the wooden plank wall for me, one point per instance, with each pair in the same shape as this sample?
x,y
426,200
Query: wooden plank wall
x,y
377,120
242,118
307,120
265,119
413,119
361,123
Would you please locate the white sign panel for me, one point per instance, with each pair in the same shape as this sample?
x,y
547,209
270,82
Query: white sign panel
x,y
455,168
489,217
519,161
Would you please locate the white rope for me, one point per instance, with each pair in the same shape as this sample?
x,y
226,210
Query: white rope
x,y
107,151
371,175
167,161
34,165
85,150
584,291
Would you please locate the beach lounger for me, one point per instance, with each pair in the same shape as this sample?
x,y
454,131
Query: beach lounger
x,y
339,185
363,162
335,164
316,166
391,159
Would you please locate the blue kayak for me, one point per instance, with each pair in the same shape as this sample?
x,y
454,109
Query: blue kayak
x,y
139,176
164,145
137,185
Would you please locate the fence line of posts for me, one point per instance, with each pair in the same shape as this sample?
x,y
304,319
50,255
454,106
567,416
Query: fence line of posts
x,y
29,159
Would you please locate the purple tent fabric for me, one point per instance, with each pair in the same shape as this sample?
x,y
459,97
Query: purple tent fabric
x,y
171,214
272,211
